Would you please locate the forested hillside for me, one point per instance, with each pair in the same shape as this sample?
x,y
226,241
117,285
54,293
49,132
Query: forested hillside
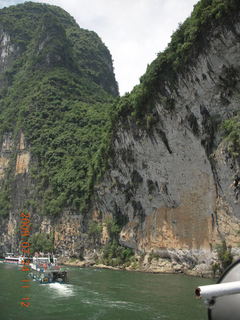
x,y
57,88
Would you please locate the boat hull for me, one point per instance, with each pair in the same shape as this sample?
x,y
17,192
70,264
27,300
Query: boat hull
x,y
47,276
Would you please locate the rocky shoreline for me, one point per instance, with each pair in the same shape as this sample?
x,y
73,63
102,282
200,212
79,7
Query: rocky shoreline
x,y
199,263
201,270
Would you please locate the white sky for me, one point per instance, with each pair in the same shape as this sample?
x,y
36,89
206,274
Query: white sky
x,y
133,30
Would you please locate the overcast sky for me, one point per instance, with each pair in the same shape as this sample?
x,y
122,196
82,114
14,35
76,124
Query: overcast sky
x,y
133,30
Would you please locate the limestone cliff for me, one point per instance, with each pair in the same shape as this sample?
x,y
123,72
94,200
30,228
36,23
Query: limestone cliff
x,y
175,183
161,179
57,87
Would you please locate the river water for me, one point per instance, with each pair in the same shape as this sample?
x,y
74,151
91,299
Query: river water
x,y
94,294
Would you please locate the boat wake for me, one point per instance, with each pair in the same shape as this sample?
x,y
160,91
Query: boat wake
x,y
62,289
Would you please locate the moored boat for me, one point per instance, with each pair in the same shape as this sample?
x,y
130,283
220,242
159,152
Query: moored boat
x,y
11,258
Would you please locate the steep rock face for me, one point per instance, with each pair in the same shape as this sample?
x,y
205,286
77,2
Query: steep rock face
x,y
8,51
56,89
172,183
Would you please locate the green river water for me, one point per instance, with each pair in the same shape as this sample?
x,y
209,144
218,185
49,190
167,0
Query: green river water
x,y
94,294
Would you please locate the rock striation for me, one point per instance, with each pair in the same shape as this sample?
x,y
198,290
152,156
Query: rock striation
x,y
174,183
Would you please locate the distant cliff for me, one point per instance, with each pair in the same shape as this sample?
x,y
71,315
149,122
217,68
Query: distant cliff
x,y
149,182
57,87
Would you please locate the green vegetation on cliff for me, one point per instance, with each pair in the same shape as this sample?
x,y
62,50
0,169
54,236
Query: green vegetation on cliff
x,y
57,88
232,132
42,242
116,255
159,81
225,258
186,43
